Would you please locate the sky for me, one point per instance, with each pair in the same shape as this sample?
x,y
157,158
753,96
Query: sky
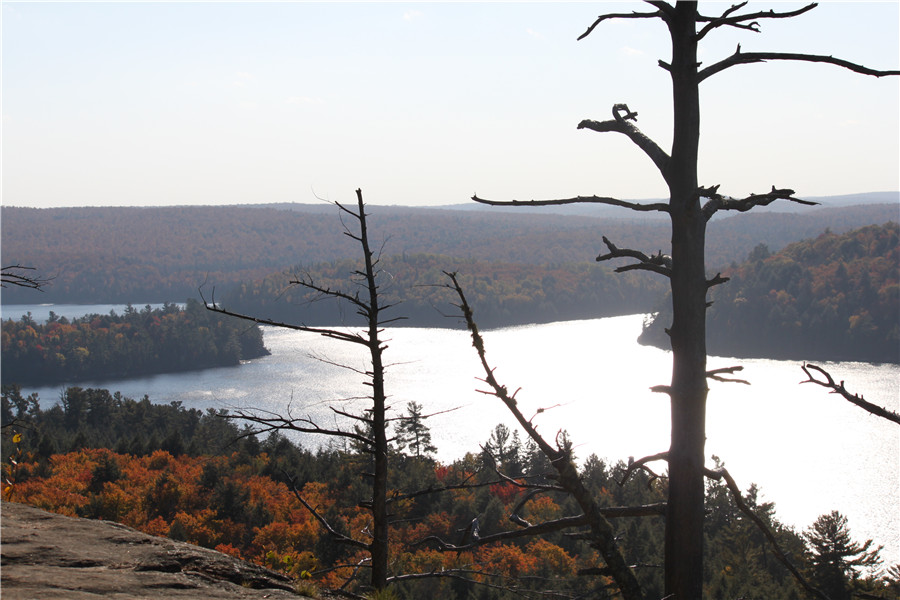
x,y
423,104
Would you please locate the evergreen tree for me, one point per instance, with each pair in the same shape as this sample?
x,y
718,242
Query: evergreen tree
x,y
412,433
835,556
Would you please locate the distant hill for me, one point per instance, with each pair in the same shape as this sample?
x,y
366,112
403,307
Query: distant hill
x,y
832,297
501,294
158,254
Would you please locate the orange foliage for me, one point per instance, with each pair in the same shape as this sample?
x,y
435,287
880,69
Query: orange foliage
x,y
173,496
505,491
507,560
550,559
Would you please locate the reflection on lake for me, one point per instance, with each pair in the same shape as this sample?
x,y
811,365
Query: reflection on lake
x,y
810,452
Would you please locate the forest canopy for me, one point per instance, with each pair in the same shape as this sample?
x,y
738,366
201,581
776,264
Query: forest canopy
x,y
504,293
833,297
198,477
138,342
163,254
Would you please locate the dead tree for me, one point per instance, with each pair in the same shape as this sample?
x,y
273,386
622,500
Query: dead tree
x,y
371,428
371,432
600,532
689,207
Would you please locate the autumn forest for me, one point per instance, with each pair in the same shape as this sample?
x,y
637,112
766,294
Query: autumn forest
x,y
371,513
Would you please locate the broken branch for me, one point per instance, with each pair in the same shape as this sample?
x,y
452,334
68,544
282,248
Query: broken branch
x,y
658,263
716,374
740,21
719,202
577,200
743,58
632,15
623,124
842,391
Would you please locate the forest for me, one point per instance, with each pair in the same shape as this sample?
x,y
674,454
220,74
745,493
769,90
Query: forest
x,y
138,342
505,293
832,297
199,477
374,514
163,254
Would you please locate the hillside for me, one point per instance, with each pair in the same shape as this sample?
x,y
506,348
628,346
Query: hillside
x,y
158,254
503,294
832,297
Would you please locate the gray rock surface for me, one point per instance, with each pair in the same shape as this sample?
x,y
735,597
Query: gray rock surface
x,y
48,556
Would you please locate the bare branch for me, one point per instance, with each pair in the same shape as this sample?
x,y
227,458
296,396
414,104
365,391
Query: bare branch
x,y
659,14
743,58
404,418
540,529
602,535
577,200
465,575
330,333
623,124
658,263
841,390
276,422
8,276
641,463
740,21
464,485
717,280
514,515
716,374
722,473
340,537
719,202
326,291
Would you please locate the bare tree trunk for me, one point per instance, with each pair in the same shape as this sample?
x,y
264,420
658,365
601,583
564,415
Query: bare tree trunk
x,y
684,516
379,484
374,440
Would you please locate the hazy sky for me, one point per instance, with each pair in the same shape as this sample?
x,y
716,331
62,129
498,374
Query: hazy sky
x,y
422,104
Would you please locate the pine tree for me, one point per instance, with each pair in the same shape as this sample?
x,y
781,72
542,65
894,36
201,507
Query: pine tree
x,y
835,556
412,433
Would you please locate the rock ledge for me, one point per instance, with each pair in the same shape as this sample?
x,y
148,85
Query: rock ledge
x,y
49,556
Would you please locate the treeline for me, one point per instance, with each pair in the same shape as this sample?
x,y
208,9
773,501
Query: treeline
x,y
502,293
200,478
834,297
138,342
159,254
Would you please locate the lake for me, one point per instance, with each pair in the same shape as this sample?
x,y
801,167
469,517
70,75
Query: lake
x,y
810,452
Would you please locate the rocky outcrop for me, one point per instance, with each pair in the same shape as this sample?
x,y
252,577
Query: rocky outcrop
x,y
49,556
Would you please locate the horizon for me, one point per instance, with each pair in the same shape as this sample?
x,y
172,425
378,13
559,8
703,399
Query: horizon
x,y
784,206
420,104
